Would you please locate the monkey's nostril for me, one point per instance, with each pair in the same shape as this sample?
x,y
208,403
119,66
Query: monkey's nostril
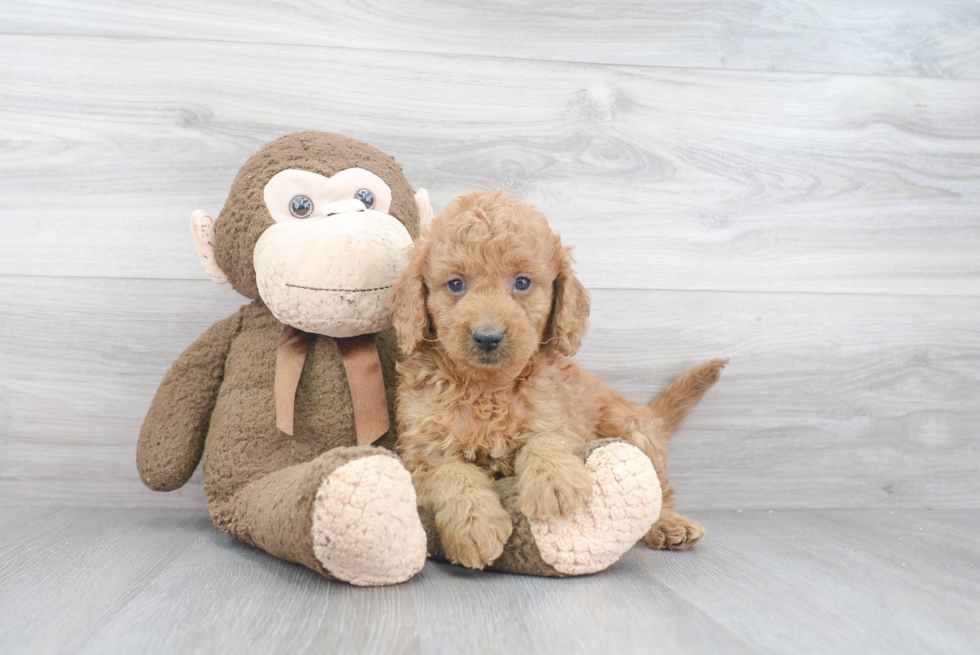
x,y
487,339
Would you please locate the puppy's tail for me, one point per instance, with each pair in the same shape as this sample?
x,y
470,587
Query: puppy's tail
x,y
674,402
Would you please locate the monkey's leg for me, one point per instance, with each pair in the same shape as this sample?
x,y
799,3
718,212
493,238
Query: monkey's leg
x,y
625,501
349,514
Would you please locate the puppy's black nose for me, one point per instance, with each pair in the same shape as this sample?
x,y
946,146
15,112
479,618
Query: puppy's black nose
x,y
487,339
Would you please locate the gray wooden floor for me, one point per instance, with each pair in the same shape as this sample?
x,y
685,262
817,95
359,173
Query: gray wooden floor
x,y
164,581
793,184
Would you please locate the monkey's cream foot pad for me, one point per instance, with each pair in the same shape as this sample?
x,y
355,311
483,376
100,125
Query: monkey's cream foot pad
x,y
625,502
366,527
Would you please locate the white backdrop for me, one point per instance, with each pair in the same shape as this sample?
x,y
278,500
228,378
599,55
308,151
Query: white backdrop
x,y
804,199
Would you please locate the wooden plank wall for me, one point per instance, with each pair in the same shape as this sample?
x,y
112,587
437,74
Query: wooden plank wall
x,y
795,186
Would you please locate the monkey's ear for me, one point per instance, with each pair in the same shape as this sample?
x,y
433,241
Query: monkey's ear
x,y
425,209
202,229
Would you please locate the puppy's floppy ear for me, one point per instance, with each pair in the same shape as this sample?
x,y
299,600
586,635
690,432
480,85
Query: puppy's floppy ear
x,y
410,317
570,307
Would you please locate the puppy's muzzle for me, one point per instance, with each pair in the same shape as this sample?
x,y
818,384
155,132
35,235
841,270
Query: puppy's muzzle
x,y
487,339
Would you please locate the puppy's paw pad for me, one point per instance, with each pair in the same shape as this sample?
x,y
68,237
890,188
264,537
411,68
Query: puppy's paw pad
x,y
625,500
366,527
674,532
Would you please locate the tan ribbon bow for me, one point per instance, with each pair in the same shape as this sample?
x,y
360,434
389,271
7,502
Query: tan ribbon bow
x,y
363,367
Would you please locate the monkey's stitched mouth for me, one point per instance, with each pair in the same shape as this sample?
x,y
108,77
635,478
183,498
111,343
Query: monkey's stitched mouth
x,y
300,286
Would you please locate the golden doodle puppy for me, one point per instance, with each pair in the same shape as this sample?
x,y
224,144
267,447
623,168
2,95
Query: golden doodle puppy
x,y
489,314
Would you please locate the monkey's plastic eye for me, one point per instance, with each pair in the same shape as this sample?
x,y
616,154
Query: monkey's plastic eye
x,y
365,196
522,284
301,206
456,286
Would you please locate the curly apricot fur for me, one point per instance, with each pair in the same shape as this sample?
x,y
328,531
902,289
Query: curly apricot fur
x,y
467,416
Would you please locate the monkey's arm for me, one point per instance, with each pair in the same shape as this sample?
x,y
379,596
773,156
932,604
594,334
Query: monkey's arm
x,y
172,437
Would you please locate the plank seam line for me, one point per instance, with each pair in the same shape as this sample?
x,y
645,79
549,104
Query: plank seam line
x,y
784,292
732,71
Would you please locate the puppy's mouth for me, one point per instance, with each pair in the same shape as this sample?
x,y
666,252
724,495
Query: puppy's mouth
x,y
488,359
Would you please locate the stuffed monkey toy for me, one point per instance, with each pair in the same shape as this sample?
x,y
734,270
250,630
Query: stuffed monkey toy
x,y
291,399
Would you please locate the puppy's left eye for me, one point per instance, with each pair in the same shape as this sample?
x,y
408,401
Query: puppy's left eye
x,y
522,284
456,286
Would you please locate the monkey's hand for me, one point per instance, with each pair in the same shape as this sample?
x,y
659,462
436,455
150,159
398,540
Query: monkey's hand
x,y
172,437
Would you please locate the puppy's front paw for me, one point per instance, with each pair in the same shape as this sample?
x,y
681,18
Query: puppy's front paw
x,y
548,490
474,539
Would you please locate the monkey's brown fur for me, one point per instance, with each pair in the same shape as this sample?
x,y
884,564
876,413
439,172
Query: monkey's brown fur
x,y
240,225
217,399
526,409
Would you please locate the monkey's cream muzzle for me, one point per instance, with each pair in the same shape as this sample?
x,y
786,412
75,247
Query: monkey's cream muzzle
x,y
332,274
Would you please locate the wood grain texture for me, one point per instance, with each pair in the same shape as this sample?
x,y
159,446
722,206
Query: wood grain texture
x,y
905,37
665,179
829,400
75,568
149,581
793,185
834,582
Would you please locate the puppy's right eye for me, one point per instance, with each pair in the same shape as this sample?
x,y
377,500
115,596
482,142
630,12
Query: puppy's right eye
x,y
456,286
